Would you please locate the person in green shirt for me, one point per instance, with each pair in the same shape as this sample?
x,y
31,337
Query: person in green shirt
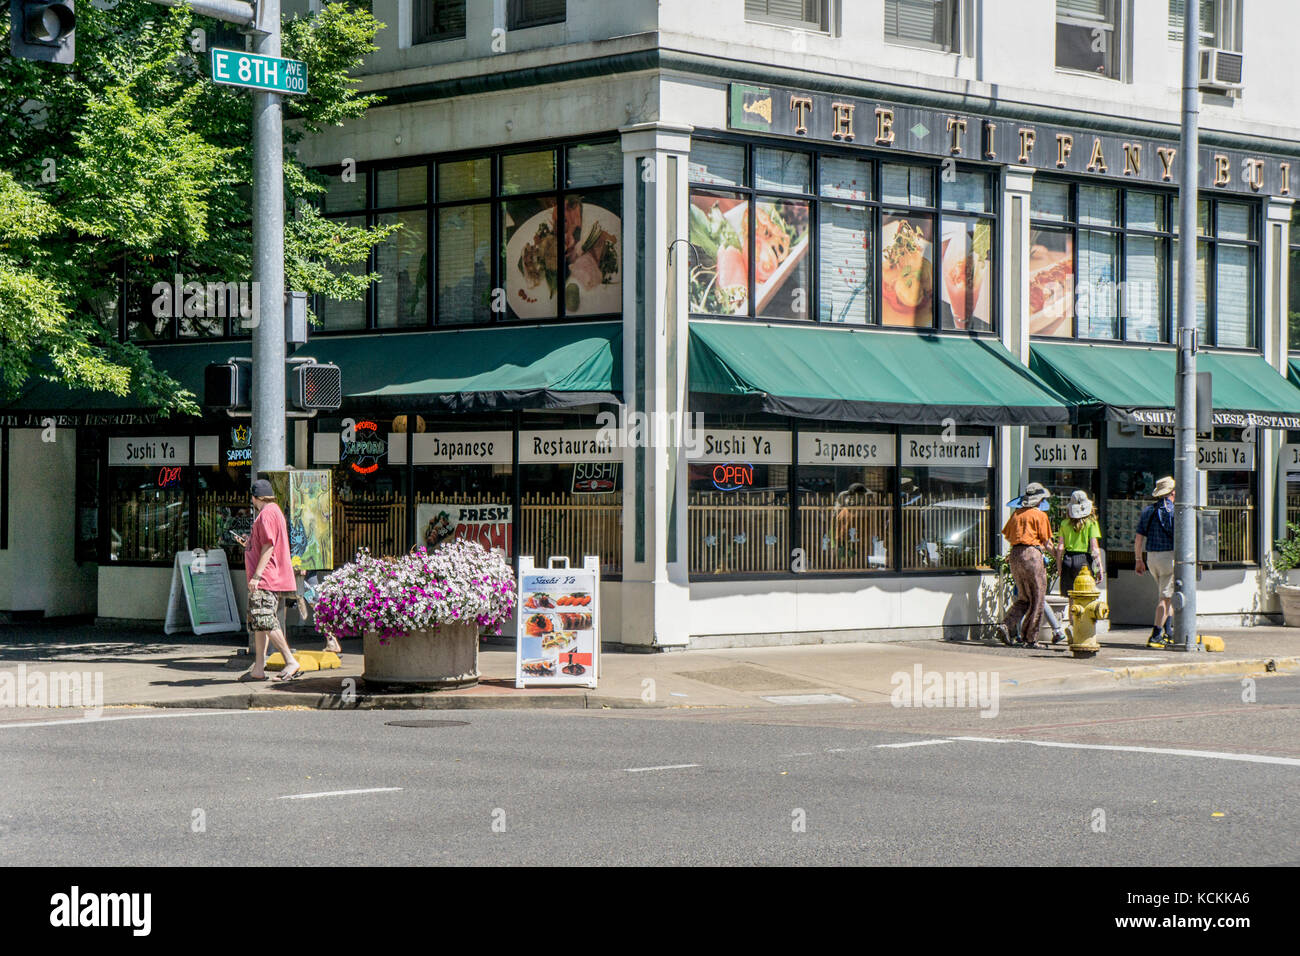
x,y
1080,537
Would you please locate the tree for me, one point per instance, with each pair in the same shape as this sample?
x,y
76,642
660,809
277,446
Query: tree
x,y
131,165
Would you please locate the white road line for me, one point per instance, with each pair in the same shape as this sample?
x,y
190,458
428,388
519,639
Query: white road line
x,y
338,793
1169,751
915,743
100,720
671,766
806,753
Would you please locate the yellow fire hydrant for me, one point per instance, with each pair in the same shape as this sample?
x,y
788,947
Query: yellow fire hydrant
x,y
1086,608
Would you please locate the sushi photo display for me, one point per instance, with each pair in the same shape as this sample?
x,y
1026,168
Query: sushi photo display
x,y
557,627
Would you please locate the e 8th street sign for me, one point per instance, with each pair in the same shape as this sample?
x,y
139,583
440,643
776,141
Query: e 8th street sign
x,y
273,73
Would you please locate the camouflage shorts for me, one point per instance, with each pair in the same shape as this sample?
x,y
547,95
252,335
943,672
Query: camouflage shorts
x,y
264,610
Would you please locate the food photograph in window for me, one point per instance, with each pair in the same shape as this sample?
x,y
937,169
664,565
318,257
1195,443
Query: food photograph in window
x,y
781,260
907,271
719,283
532,237
1051,282
965,257
593,253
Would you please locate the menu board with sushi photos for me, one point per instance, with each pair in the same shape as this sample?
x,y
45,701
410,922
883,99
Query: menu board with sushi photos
x,y
558,638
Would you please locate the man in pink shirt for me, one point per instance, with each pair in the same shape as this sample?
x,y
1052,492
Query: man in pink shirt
x,y
270,575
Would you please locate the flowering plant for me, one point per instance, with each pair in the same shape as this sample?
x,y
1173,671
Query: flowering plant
x,y
459,583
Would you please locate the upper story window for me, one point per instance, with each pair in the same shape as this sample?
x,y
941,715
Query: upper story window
x,y
933,24
1122,245
1293,283
535,13
532,234
838,238
808,14
1220,23
433,20
1088,37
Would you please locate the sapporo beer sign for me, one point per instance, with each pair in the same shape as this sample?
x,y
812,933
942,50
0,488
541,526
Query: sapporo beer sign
x,y
365,448
851,120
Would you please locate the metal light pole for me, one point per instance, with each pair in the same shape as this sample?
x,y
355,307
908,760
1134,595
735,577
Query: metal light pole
x,y
268,257
1185,394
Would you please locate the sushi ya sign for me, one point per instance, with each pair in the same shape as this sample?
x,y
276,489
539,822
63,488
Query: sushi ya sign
x,y
842,120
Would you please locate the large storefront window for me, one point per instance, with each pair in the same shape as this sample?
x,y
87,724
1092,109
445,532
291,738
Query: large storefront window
x,y
370,497
1104,265
148,497
946,488
846,500
1139,455
554,215
850,240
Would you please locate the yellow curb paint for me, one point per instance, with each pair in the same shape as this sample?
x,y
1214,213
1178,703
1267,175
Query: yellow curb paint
x,y
1216,814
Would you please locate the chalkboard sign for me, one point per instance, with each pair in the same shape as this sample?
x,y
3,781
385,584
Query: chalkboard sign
x,y
201,591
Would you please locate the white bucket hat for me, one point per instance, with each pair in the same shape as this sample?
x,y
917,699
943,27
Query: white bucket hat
x,y
1080,506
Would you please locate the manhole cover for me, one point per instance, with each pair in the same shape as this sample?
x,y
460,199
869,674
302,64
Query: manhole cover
x,y
426,723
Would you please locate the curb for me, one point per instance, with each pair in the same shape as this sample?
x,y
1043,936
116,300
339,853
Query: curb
x,y
1241,666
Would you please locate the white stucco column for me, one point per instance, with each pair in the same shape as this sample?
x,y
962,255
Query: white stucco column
x,y
1275,345
1017,184
656,595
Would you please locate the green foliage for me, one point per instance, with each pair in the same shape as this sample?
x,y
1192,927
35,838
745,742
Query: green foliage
x,y
1288,549
132,159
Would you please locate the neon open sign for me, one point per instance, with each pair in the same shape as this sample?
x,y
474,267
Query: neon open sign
x,y
731,477
169,477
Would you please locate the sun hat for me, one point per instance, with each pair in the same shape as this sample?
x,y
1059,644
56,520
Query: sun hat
x,y
1164,488
1034,494
1080,506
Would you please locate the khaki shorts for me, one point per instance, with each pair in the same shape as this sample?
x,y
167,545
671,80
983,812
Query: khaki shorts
x,y
1161,566
264,610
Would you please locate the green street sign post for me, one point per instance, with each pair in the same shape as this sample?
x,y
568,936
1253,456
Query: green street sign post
x,y
272,73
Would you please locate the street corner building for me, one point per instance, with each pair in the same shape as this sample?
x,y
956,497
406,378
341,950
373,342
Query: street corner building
x,y
771,305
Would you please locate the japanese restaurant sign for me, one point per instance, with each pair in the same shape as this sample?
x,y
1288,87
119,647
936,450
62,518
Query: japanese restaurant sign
x,y
1062,452
1289,458
167,450
564,446
967,451
845,448
558,639
841,120
455,448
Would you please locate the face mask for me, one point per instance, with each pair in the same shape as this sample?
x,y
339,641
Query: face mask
x,y
1169,504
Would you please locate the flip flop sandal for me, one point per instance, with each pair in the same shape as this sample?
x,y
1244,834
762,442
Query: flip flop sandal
x,y
285,678
250,679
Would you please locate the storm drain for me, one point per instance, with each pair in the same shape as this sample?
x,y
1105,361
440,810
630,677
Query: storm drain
x,y
436,724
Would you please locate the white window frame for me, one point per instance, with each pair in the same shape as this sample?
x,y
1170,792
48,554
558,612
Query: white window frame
x,y
956,20
1115,24
829,17
1227,27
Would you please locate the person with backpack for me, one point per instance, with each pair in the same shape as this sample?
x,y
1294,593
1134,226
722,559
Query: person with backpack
x,y
1155,537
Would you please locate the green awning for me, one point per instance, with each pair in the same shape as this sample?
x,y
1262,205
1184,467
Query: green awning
x,y
1293,372
1136,383
464,369
864,376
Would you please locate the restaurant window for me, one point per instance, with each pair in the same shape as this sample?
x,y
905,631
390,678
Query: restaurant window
x,y
1139,455
368,476
1088,37
932,24
1064,459
1220,23
738,484
148,497
433,20
223,493
845,498
1293,282
570,492
808,14
535,13
945,489
839,239
555,212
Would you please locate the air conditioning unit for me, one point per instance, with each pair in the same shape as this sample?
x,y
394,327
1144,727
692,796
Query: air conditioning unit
x,y
1221,71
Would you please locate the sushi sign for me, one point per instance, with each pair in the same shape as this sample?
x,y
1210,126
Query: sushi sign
x,y
558,635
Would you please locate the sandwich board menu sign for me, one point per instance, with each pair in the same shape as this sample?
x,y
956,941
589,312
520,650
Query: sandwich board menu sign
x,y
202,590
558,638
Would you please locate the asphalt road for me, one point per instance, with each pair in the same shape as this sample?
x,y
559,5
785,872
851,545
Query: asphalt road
x,y
790,784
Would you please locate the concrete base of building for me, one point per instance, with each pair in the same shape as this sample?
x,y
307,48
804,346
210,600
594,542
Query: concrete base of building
x,y
942,632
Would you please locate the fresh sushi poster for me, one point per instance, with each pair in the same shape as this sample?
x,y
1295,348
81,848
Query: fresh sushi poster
x,y
559,633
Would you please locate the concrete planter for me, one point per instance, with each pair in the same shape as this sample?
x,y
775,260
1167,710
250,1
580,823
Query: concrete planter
x,y
441,659
1289,596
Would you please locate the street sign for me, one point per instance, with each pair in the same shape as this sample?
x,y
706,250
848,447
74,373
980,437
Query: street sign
x,y
273,73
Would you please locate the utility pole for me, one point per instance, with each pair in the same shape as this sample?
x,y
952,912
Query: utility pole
x,y
268,256
1185,386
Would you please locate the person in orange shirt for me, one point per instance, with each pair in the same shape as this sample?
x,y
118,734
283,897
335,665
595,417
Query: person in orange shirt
x,y
1030,534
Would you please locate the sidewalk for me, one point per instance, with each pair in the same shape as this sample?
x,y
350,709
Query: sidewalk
x,y
148,669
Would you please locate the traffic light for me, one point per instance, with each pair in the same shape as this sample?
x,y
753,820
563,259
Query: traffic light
x,y
228,385
40,30
317,387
